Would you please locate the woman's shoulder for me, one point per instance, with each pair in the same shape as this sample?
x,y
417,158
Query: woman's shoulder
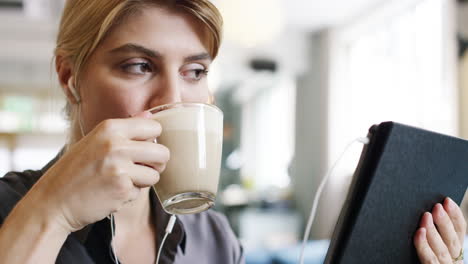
x,y
209,219
211,231
19,182
13,186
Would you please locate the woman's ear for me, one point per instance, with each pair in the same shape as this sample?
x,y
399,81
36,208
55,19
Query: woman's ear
x,y
65,77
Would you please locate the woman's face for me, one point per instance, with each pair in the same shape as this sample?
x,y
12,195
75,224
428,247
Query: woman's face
x,y
154,57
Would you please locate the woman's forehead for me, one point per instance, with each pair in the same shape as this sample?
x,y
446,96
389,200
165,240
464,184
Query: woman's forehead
x,y
159,29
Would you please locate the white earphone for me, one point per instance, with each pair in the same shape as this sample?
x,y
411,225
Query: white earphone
x,y
71,86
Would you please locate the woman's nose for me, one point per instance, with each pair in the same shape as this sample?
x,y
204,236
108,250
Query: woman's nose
x,y
168,92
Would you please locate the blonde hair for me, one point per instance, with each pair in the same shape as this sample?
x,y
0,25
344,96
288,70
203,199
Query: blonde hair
x,y
85,23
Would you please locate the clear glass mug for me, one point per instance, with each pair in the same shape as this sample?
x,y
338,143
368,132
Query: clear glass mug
x,y
193,133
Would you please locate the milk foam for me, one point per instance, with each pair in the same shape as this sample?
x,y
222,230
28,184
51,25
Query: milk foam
x,y
189,118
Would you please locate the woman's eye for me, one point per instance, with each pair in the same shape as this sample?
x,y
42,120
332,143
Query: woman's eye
x,y
194,74
137,68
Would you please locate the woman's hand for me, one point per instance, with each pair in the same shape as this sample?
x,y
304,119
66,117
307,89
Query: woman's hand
x,y
103,171
439,240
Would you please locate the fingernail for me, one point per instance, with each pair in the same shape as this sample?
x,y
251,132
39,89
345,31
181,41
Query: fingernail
x,y
451,204
425,218
440,209
147,114
422,234
429,217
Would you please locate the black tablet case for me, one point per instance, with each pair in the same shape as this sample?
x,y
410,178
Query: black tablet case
x,y
402,173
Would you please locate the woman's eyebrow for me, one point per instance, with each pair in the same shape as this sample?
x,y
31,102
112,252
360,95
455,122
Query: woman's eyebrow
x,y
132,47
201,56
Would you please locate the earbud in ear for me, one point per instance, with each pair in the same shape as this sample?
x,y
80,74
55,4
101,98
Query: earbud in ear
x,y
71,86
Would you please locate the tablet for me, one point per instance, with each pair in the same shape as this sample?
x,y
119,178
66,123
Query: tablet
x,y
402,173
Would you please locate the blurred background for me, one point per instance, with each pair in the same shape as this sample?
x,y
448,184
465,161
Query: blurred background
x,y
297,81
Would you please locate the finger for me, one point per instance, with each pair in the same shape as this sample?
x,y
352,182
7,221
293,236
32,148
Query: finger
x,y
435,241
137,128
156,166
425,253
160,167
134,193
147,152
446,230
144,114
458,220
143,176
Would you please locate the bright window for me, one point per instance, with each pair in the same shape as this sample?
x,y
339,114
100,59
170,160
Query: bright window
x,y
396,65
267,134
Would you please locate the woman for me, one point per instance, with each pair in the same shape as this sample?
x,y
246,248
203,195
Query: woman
x,y
114,59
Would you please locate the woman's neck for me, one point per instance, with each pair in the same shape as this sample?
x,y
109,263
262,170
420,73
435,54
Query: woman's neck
x,y
135,233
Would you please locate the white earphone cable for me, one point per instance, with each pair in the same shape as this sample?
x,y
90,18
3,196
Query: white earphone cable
x,y
313,211
169,227
112,223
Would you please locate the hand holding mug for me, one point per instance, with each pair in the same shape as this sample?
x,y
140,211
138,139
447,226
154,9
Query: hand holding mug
x,y
103,171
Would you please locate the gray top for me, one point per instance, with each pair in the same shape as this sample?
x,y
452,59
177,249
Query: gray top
x,y
199,238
